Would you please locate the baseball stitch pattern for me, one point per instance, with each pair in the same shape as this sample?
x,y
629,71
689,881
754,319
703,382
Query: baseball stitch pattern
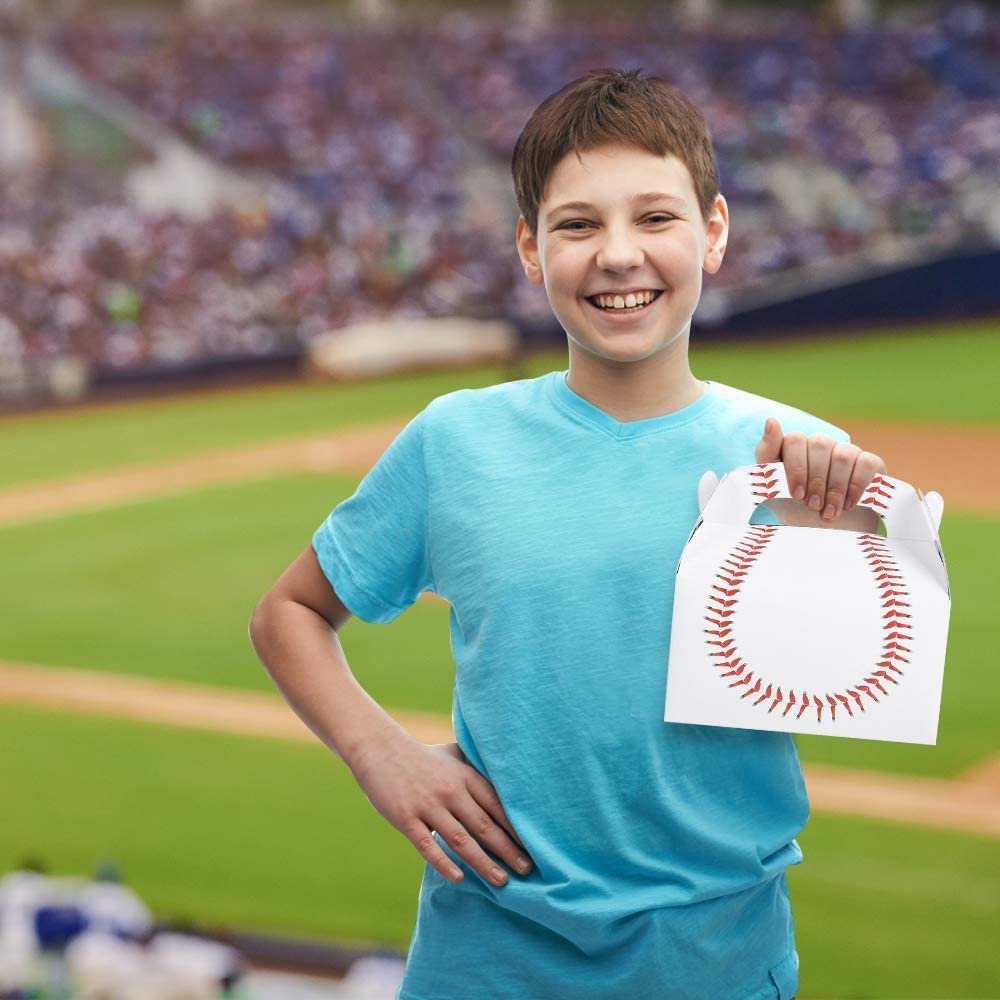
x,y
733,572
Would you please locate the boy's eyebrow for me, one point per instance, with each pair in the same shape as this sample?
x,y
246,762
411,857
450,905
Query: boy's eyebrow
x,y
639,199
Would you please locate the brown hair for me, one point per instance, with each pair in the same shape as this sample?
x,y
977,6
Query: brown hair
x,y
605,106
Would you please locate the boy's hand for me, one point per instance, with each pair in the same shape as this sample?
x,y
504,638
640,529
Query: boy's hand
x,y
420,788
829,476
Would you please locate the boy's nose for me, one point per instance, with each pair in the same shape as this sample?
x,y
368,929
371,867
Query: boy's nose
x,y
620,250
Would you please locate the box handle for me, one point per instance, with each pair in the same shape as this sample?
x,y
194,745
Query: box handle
x,y
905,511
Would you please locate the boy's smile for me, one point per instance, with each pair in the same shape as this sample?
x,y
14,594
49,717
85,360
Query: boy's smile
x,y
619,220
634,302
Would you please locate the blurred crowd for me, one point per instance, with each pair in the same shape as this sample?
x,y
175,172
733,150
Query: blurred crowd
x,y
65,937
889,130
363,141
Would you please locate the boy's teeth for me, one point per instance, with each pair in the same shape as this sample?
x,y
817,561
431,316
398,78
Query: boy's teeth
x,y
624,302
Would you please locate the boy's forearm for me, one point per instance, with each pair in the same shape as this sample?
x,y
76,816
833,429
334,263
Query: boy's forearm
x,y
306,661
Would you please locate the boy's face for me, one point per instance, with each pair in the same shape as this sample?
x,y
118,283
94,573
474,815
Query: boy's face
x,y
620,245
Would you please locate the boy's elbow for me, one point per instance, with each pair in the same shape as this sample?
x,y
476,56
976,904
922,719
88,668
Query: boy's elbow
x,y
257,617
251,627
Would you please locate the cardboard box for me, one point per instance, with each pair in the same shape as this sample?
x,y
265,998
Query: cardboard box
x,y
810,630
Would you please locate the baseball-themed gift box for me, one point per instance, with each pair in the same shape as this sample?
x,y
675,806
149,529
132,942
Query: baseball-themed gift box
x,y
810,630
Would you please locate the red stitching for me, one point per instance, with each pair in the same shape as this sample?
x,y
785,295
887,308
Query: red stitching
x,y
763,488
877,487
889,585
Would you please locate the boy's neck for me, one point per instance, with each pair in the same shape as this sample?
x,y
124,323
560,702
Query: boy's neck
x,y
638,390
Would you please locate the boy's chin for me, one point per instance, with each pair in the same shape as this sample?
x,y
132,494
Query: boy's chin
x,y
621,349
626,347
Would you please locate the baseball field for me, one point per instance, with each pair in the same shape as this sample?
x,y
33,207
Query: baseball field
x,y
137,725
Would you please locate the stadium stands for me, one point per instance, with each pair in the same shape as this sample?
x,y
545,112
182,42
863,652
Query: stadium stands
x,y
831,142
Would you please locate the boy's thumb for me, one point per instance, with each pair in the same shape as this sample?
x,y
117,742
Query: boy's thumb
x,y
771,426
767,450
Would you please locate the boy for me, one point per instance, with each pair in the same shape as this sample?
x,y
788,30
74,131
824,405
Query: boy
x,y
550,513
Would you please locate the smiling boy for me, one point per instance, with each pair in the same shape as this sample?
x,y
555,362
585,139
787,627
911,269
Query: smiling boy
x,y
551,513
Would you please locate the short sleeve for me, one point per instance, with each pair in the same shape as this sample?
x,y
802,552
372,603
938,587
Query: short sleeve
x,y
373,546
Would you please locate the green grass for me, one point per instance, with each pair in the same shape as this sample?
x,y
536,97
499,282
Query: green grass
x,y
54,444
258,834
165,588
935,373
231,831
885,912
931,374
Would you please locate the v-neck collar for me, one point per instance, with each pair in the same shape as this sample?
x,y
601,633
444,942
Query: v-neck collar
x,y
583,409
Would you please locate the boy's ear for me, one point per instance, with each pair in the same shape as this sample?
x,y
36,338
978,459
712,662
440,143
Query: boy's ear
x,y
717,234
527,250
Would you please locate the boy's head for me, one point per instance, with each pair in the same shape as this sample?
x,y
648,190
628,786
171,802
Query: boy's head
x,y
600,142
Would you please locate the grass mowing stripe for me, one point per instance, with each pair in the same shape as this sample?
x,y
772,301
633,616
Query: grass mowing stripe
x,y
894,375
275,837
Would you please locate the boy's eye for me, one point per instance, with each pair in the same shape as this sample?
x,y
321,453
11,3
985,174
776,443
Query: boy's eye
x,y
652,218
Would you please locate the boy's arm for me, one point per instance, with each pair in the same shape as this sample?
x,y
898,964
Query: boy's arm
x,y
294,631
419,789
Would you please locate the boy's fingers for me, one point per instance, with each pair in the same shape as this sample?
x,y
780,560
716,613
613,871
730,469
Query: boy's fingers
x,y
841,469
819,453
489,832
423,840
461,841
866,465
769,448
485,795
794,458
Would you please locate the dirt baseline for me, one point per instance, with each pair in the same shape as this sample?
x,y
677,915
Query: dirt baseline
x,y
932,457
970,804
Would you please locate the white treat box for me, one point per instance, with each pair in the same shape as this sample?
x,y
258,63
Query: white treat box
x,y
810,630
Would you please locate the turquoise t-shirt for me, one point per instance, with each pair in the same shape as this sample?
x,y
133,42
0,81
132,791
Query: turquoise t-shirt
x,y
554,532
